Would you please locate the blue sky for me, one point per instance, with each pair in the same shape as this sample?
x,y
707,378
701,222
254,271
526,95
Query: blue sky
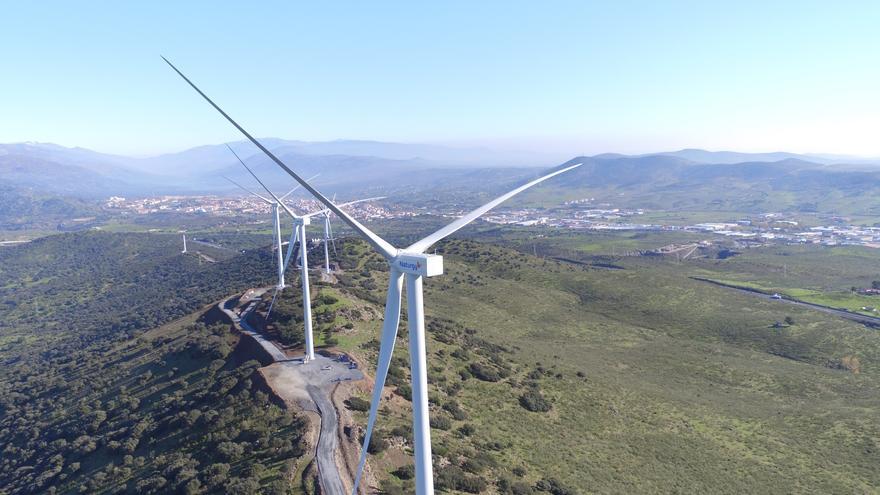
x,y
573,77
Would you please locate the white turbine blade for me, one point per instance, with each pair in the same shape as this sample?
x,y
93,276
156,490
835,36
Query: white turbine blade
x,y
332,239
293,238
386,349
381,245
298,186
272,304
288,210
374,198
247,190
424,244
325,210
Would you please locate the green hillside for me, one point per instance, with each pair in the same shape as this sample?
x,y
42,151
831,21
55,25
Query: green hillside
x,y
619,375
106,389
632,380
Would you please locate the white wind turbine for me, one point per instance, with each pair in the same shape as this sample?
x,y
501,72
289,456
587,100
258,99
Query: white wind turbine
x,y
412,263
276,231
299,233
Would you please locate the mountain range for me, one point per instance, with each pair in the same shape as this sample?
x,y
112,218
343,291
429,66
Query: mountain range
x,y
658,180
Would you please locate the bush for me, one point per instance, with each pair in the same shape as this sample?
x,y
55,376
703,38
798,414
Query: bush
x,y
404,390
441,422
555,487
407,472
534,401
484,372
472,484
377,442
357,404
467,430
453,408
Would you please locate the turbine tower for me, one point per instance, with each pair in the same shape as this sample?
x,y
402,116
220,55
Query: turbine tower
x,y
413,264
184,243
299,232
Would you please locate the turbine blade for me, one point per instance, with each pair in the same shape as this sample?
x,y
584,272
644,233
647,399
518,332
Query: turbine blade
x,y
386,348
299,186
374,198
293,237
247,190
325,210
332,239
424,244
271,304
381,245
289,212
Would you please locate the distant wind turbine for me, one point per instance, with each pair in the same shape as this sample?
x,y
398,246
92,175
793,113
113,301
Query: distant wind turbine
x,y
299,233
276,232
413,263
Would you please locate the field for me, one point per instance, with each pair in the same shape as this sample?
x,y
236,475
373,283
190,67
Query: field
x,y
572,378
656,382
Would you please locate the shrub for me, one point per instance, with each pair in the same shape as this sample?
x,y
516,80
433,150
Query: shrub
x,y
377,443
357,404
555,487
534,401
441,422
407,472
472,484
484,372
467,430
404,390
453,408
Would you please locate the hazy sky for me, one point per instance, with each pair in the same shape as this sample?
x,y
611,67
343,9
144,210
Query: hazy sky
x,y
571,76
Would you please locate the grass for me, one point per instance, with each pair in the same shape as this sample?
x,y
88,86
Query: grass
x,y
686,387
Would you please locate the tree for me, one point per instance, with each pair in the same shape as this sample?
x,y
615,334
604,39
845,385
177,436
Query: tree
x,y
789,320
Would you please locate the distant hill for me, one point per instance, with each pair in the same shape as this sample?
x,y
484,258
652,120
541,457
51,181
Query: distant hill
x,y
666,181
691,178
25,209
729,157
362,164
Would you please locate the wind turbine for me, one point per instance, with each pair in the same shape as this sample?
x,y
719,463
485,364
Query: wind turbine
x,y
276,231
413,264
184,243
299,232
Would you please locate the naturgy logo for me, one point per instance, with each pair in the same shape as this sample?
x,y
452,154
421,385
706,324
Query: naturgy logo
x,y
408,265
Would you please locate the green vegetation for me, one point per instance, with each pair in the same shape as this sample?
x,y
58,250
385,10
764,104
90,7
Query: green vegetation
x,y
92,400
641,378
604,374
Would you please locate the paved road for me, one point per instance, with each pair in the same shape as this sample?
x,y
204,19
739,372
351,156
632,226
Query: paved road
x,y
319,377
870,321
242,322
328,442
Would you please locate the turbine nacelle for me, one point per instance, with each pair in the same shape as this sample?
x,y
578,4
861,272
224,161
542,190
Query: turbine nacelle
x,y
425,265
